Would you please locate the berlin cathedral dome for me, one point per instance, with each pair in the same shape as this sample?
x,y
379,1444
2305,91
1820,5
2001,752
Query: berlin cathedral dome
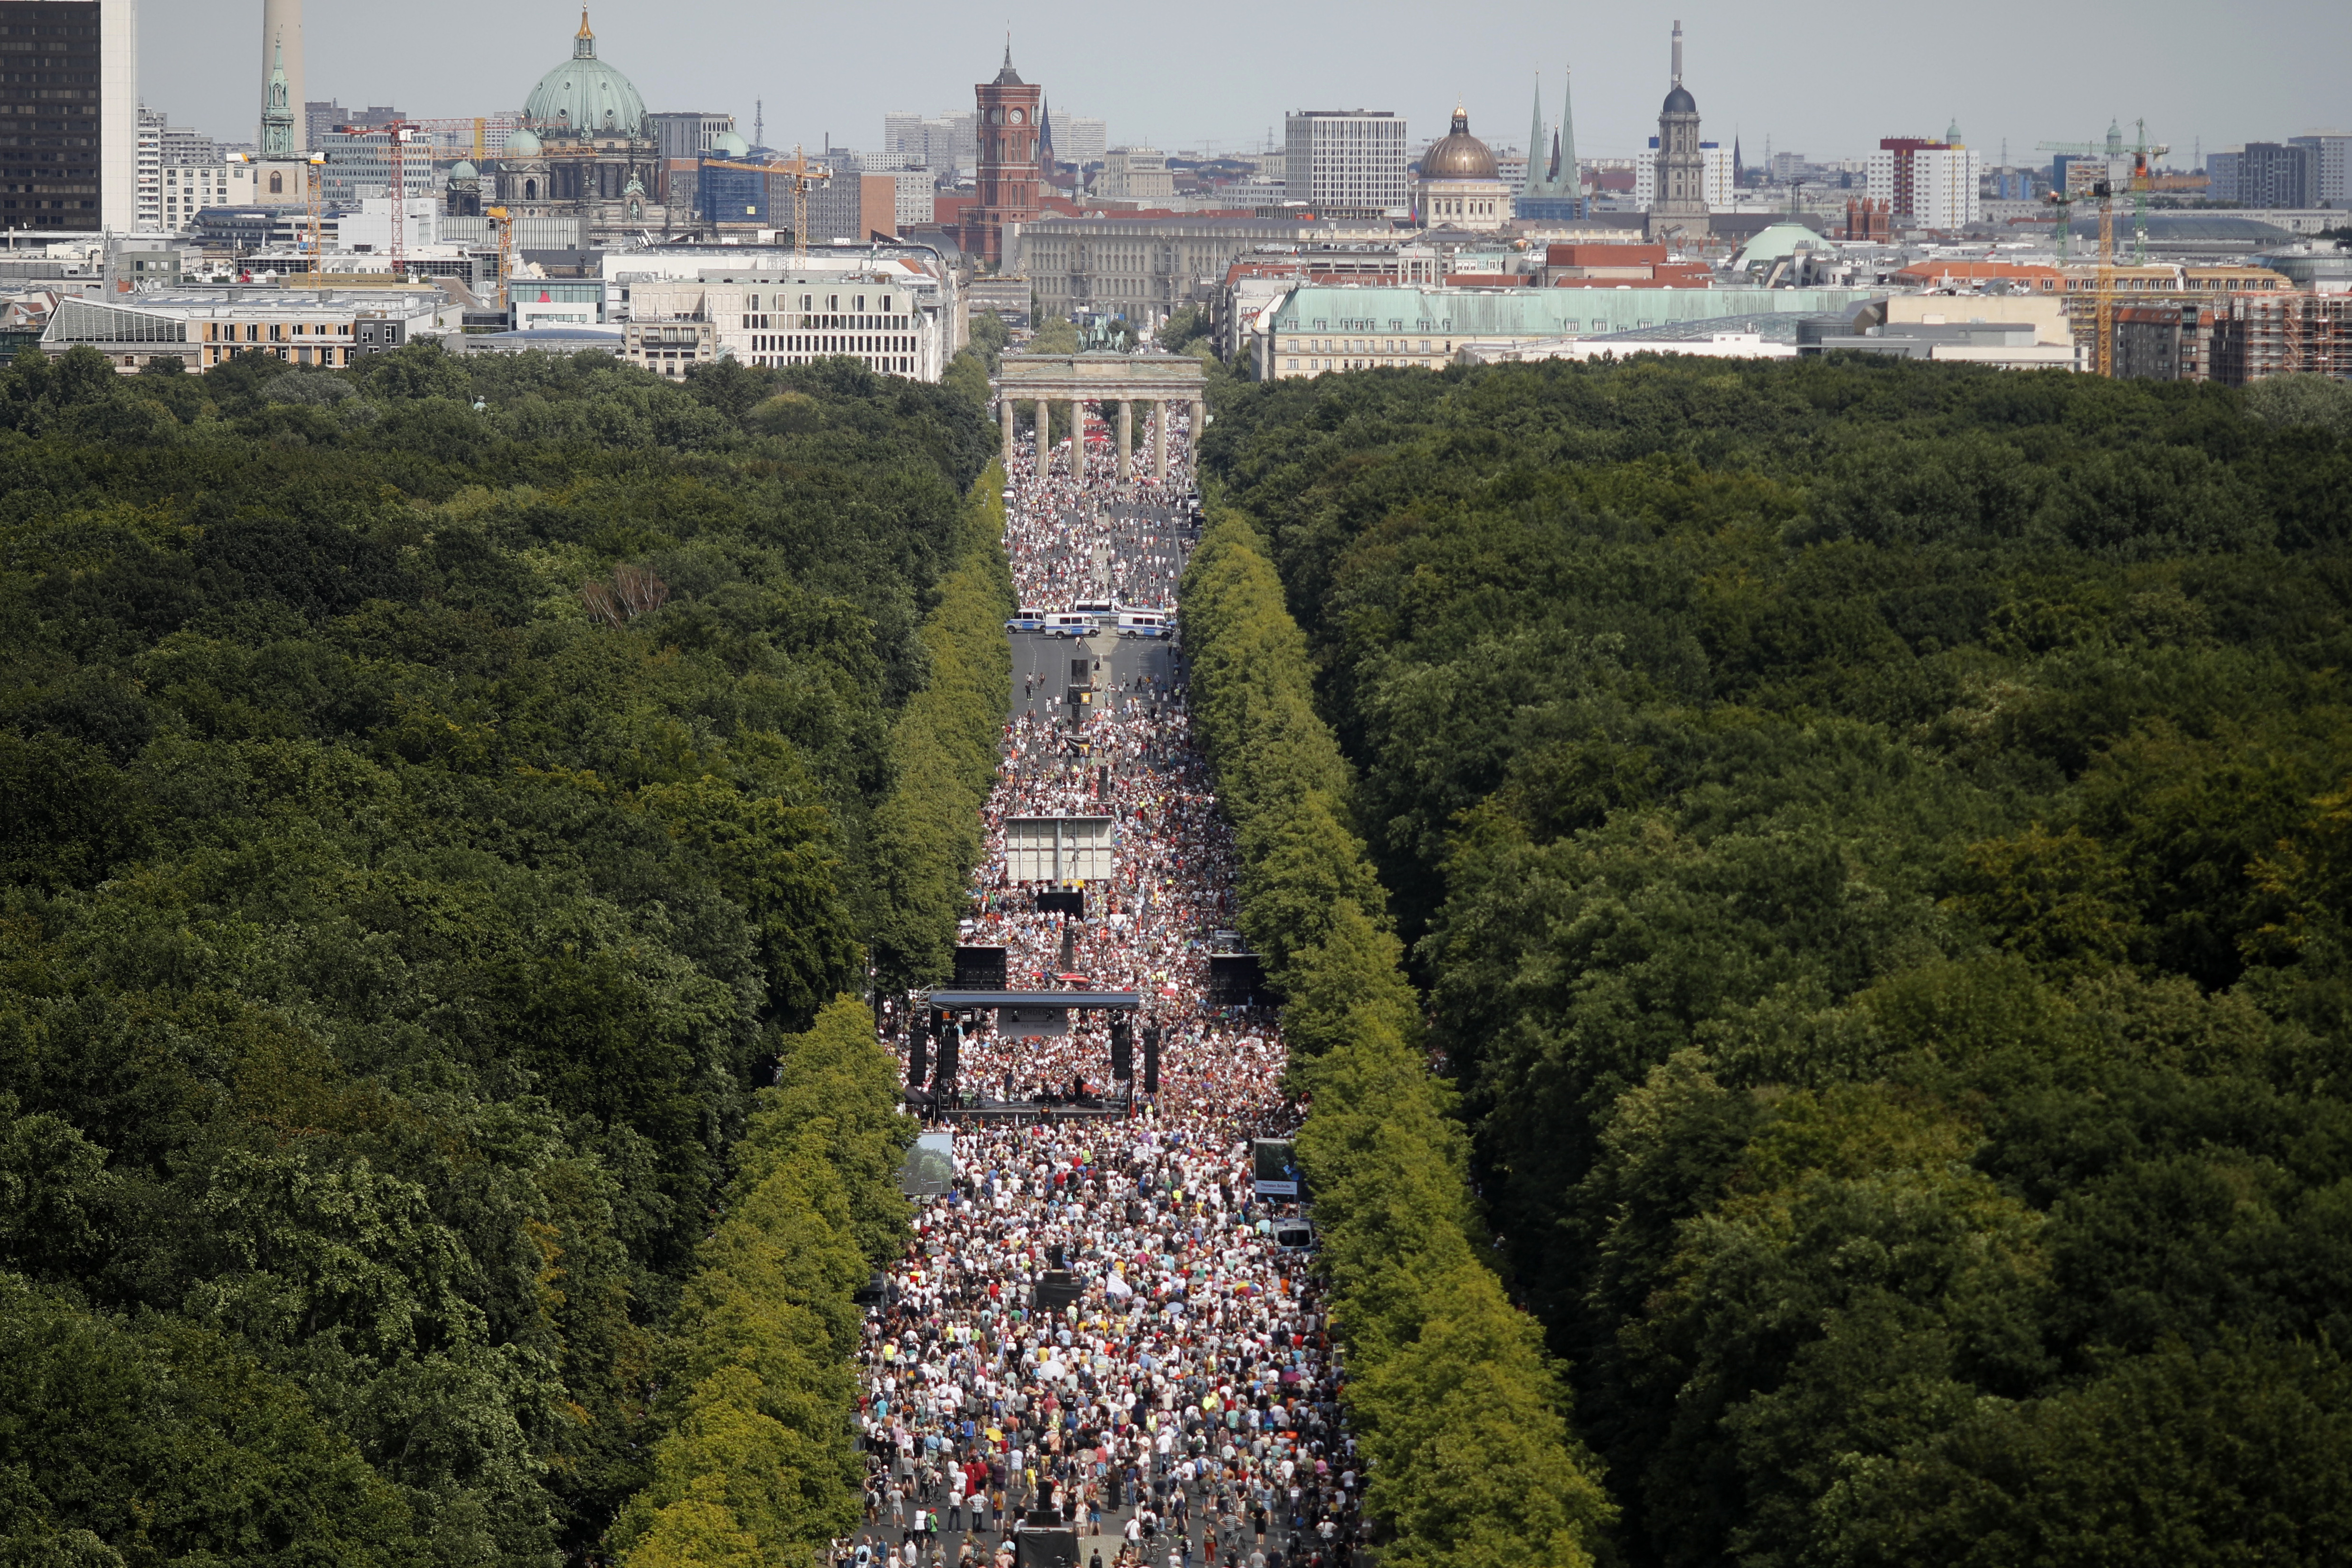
x,y
584,94
1457,154
586,152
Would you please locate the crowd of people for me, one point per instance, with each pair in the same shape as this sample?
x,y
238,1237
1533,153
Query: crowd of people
x,y
1103,1327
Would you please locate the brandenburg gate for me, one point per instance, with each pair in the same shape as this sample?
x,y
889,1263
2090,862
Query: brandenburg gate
x,y
1155,380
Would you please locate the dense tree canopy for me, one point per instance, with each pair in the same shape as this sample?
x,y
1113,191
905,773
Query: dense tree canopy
x,y
430,796
1872,839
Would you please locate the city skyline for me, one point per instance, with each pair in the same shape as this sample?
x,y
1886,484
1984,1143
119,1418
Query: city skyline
x,y
1754,77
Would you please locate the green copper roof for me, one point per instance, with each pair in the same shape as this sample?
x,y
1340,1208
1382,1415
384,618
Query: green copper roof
x,y
1540,313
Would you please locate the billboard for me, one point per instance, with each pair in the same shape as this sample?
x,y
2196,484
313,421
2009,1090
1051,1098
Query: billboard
x,y
1276,1172
1058,848
930,1167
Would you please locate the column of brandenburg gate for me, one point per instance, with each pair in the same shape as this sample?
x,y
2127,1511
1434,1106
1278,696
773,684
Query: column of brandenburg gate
x,y
1154,380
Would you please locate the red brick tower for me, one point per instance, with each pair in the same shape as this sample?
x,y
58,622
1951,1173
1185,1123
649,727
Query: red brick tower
x,y
1008,161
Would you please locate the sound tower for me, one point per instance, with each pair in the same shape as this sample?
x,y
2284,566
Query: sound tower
x,y
950,1046
1122,1049
979,968
1236,980
918,1049
1151,1058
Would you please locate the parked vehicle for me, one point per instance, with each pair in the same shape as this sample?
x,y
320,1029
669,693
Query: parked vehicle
x,y
1069,624
1144,623
1027,621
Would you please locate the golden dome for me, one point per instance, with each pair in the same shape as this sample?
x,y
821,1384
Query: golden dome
x,y
1458,155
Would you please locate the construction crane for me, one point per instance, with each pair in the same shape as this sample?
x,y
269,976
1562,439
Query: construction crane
x,y
503,222
2114,151
476,127
803,172
315,162
396,133
2064,201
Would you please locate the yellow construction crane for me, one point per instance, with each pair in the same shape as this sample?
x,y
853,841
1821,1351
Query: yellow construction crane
x,y
503,223
316,161
803,172
2103,351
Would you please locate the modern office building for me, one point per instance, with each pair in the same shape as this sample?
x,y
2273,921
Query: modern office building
x,y
888,314
2330,151
1081,140
2277,175
1349,161
147,215
1135,174
189,188
69,140
854,206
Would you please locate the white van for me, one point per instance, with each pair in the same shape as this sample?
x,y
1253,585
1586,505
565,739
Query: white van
x,y
1143,623
1069,624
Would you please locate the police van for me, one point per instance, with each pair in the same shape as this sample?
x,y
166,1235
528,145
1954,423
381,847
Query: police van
x,y
1027,621
1068,624
1144,623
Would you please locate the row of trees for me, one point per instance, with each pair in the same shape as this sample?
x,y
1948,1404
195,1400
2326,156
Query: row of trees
x,y
1871,838
1459,1410
423,827
756,1464
945,740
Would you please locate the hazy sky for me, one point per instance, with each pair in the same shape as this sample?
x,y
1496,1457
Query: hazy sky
x,y
1825,82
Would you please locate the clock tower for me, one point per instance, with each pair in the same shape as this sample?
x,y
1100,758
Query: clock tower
x,y
1007,133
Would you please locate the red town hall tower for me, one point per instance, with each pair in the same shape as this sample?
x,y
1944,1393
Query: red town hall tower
x,y
1008,161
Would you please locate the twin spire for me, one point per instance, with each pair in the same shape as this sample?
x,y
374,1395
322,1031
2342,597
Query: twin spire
x,y
1554,175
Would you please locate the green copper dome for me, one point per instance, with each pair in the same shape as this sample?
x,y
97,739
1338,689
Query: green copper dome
x,y
583,93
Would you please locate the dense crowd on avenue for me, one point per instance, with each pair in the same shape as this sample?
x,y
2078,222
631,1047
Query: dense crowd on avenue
x,y
1181,1410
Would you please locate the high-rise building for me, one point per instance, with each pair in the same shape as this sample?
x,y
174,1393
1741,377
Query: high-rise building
x,y
1080,139
184,145
1681,208
69,140
1007,181
1344,160
2330,151
1944,190
281,48
147,217
2276,174
2220,176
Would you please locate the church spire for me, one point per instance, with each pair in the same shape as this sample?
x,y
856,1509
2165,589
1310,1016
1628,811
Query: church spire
x,y
1571,179
276,106
584,42
1538,176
